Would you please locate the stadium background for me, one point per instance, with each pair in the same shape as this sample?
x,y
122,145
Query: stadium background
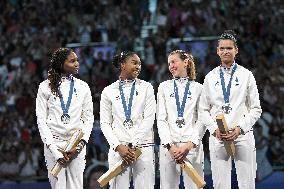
x,y
31,29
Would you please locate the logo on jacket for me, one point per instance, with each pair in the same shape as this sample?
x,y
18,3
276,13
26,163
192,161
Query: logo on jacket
x,y
217,83
237,81
75,91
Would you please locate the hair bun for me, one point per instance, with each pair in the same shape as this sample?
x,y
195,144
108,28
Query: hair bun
x,y
116,60
121,57
230,32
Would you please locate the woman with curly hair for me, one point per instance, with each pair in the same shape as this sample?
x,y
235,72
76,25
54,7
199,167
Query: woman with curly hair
x,y
63,105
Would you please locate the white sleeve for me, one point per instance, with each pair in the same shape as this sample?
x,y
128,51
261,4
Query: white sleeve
x,y
41,113
253,103
199,129
204,109
87,115
162,118
148,118
106,121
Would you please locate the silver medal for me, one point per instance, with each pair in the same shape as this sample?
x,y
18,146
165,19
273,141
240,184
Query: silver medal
x,y
226,108
128,123
180,122
65,118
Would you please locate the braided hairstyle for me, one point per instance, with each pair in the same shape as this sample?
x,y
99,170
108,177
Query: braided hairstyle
x,y
228,34
56,68
120,58
191,72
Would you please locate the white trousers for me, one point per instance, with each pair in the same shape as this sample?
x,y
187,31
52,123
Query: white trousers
x,y
170,171
70,177
142,171
245,162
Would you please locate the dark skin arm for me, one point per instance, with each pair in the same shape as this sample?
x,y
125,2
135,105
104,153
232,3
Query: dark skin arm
x,y
217,134
71,154
233,134
126,153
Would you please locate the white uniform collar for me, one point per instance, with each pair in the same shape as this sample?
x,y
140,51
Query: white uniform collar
x,y
181,79
127,81
228,69
67,77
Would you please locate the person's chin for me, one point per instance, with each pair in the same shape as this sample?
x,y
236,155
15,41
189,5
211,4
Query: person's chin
x,y
75,72
175,75
135,75
227,60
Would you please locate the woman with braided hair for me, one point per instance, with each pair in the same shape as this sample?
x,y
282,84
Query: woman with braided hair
x,y
63,105
177,117
231,89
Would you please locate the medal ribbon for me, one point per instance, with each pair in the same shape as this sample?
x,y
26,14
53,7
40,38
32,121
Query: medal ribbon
x,y
180,108
65,108
127,109
226,91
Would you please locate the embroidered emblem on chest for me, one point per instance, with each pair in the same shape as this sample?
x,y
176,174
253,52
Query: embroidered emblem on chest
x,y
217,83
237,81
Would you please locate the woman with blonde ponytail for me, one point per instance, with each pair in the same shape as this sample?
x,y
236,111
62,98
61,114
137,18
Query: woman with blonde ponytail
x,y
177,117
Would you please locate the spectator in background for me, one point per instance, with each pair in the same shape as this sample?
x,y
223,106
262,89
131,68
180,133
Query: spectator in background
x,y
263,166
9,167
150,57
28,160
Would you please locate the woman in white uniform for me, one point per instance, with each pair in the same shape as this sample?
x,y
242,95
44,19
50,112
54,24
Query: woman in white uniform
x,y
127,113
63,105
231,89
177,116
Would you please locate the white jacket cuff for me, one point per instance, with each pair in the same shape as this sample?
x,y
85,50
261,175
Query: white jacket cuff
x,y
55,152
212,128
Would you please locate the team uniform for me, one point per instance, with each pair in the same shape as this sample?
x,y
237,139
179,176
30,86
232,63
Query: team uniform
x,y
55,132
139,133
237,86
172,133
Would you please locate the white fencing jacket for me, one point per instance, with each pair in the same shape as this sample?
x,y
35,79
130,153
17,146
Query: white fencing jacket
x,y
49,112
167,112
143,114
244,99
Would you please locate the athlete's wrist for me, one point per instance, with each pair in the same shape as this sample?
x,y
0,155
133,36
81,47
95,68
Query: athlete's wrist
x,y
241,130
80,146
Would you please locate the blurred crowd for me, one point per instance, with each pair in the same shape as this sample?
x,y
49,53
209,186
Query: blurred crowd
x,y
30,30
